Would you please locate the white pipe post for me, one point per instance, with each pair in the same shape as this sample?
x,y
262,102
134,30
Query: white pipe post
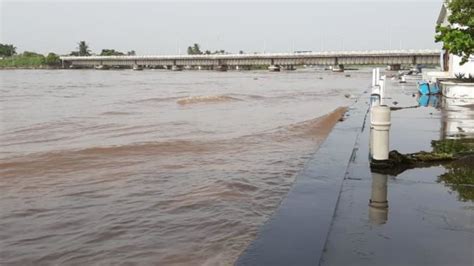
x,y
373,77
377,75
382,89
374,101
380,123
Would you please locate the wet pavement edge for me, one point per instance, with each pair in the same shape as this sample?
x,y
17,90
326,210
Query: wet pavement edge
x,y
296,233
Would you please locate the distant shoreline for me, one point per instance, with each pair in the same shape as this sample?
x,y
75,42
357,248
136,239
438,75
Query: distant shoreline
x,y
31,68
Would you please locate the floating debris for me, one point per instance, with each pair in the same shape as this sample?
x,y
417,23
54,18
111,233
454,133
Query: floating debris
x,y
444,152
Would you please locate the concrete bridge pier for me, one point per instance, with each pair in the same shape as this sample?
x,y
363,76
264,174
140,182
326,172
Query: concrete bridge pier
x,y
274,68
203,67
176,68
242,67
338,68
66,64
221,68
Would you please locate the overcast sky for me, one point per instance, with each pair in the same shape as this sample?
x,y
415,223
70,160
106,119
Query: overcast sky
x,y
153,27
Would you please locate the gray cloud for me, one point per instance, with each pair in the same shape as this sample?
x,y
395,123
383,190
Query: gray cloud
x,y
162,27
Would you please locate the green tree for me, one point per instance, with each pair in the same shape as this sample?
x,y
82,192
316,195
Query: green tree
x,y
132,52
7,50
28,58
110,52
52,59
195,49
190,50
83,49
31,54
458,36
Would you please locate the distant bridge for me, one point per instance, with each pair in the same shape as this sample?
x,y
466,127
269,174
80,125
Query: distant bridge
x,y
394,58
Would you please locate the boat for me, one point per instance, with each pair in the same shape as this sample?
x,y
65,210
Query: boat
x,y
221,68
428,100
176,68
274,68
428,88
101,67
137,68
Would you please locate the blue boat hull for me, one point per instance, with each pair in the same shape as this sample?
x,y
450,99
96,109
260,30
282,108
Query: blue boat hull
x,y
426,88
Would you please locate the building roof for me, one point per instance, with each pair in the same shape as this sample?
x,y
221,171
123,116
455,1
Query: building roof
x,y
442,17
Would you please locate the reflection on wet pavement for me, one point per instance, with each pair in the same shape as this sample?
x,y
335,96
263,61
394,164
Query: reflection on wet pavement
x,y
457,118
460,178
457,135
456,138
378,204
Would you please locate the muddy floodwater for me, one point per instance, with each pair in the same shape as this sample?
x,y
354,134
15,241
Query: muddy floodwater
x,y
153,167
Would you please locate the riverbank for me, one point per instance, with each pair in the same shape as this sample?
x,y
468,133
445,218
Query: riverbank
x,y
326,219
39,67
30,60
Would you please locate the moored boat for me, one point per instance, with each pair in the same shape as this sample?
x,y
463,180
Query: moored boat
x,y
137,68
428,88
176,68
101,67
274,68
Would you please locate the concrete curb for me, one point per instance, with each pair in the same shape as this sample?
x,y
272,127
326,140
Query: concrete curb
x,y
297,232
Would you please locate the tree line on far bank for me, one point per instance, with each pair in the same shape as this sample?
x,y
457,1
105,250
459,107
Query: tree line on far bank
x,y
10,58
195,49
83,50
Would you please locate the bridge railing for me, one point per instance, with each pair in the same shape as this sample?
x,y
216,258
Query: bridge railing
x,y
262,55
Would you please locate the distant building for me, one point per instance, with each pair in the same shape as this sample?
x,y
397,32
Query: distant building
x,y
450,62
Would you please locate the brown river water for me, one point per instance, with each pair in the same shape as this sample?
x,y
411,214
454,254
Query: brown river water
x,y
153,167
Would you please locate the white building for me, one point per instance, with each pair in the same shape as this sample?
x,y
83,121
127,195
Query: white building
x,y
451,63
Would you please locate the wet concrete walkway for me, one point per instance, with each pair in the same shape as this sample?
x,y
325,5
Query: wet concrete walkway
x,y
326,218
427,222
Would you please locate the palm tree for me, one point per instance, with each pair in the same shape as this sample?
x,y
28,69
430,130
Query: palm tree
x,y
83,49
197,49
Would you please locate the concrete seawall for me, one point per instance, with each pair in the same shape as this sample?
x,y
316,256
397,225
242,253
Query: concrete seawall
x,y
297,232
